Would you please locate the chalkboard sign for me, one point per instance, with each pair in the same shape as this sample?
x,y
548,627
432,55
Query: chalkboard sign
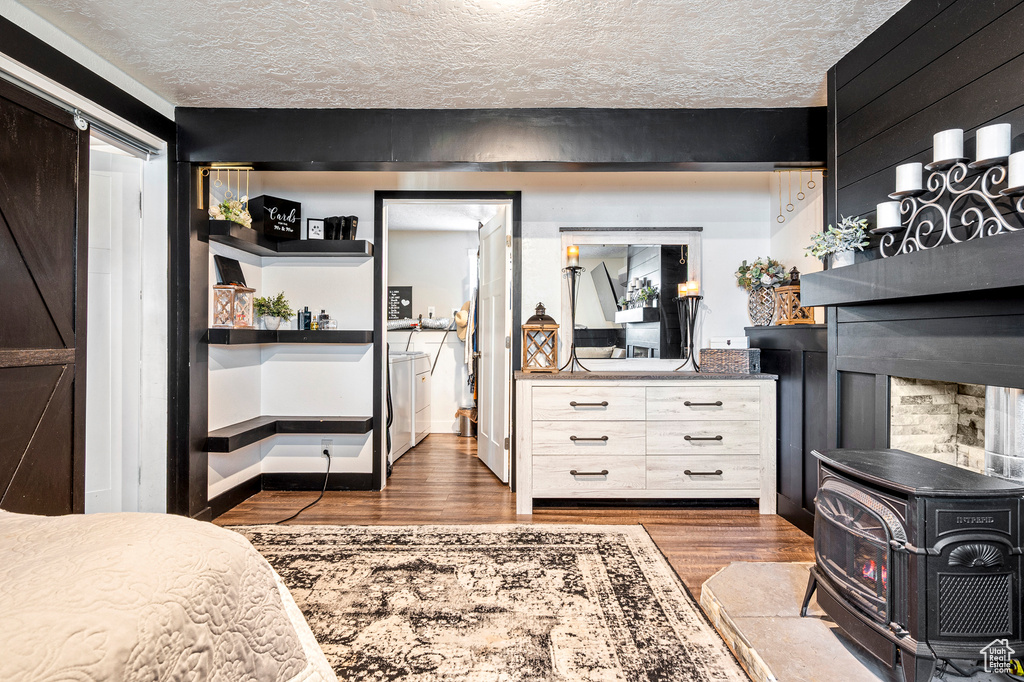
x,y
276,218
399,303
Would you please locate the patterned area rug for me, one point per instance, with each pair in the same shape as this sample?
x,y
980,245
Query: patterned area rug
x,y
496,603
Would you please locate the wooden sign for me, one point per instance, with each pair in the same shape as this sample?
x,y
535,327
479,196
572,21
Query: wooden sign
x,y
399,303
276,218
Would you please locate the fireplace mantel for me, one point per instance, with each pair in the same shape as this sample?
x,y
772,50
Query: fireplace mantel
x,y
978,265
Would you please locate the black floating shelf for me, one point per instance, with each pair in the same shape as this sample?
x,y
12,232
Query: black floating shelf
x,y
237,436
231,337
251,241
971,266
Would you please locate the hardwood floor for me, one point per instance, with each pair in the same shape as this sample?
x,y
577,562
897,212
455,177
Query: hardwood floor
x,y
442,481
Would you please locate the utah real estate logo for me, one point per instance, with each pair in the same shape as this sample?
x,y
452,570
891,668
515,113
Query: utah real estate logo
x,y
999,657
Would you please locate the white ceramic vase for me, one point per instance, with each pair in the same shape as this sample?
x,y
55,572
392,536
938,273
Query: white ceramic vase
x,y
842,259
271,322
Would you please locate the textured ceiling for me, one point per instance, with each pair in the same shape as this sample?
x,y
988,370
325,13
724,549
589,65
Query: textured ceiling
x,y
443,216
474,53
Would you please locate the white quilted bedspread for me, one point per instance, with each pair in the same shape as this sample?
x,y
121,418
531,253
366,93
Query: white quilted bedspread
x,y
144,597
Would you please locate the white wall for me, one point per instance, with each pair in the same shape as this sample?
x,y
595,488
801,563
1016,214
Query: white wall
x,y
789,238
733,209
435,264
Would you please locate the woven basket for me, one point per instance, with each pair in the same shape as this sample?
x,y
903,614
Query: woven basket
x,y
730,360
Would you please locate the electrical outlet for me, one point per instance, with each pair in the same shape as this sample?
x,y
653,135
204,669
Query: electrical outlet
x,y
328,445
430,312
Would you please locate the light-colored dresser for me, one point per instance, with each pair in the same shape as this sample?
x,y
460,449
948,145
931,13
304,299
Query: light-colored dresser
x,y
654,435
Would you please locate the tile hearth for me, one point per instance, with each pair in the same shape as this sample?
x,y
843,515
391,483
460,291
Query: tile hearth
x,y
755,606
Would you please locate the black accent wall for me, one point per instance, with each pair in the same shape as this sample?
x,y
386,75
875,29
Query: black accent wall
x,y
935,65
952,313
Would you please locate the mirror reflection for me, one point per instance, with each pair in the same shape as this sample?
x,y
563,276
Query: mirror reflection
x,y
626,306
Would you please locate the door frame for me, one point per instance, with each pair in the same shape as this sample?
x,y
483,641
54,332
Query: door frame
x,y
380,311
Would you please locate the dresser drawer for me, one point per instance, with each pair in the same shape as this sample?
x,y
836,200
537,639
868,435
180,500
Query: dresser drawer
x,y
555,474
557,403
738,473
700,437
589,438
707,402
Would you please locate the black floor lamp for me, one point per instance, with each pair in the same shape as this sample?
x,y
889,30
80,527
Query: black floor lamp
x,y
572,273
688,304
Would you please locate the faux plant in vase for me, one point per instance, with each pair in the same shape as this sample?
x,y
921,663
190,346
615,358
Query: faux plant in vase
x,y
273,310
839,242
759,279
647,296
234,210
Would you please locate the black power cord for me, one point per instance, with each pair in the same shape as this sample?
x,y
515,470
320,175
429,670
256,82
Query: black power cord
x,y
327,476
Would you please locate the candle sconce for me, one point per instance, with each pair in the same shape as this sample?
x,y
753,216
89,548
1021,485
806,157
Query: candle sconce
x,y
572,274
689,306
956,204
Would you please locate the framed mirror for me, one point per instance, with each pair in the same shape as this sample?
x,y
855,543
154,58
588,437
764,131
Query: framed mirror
x,y
626,308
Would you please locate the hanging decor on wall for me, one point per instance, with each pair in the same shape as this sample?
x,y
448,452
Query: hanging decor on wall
x,y
960,201
803,183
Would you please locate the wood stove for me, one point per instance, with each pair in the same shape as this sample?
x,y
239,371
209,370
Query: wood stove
x,y
917,560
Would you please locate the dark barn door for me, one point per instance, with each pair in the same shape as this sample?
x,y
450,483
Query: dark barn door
x,y
42,305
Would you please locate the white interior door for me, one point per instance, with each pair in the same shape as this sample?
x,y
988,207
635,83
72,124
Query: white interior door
x,y
113,364
494,383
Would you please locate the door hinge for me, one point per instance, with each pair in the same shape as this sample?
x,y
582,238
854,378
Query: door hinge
x,y
508,240
508,342
506,442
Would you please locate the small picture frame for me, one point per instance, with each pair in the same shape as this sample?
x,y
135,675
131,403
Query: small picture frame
x,y
314,228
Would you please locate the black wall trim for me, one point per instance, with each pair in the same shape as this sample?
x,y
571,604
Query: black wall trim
x,y
22,46
505,139
314,481
231,498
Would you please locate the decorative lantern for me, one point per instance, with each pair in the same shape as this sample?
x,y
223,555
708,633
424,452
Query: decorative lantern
x,y
232,306
789,309
540,343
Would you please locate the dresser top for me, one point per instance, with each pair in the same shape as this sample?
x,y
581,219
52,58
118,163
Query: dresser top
x,y
640,375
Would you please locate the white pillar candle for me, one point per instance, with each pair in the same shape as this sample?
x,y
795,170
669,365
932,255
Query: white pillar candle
x,y
888,214
993,142
1016,170
908,177
572,256
949,144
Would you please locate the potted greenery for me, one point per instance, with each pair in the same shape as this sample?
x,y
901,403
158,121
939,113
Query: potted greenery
x,y
759,279
647,296
273,310
839,242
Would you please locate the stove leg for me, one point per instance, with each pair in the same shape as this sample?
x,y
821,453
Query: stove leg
x,y
812,585
916,668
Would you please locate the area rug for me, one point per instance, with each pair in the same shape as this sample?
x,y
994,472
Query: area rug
x,y
495,603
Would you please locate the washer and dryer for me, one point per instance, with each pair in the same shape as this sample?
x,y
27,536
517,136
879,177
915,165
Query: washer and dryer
x,y
409,374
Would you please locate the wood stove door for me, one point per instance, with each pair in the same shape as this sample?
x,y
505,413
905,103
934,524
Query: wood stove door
x,y
852,535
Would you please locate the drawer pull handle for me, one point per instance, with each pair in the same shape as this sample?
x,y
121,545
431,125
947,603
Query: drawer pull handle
x,y
602,472
702,438
716,472
576,438
717,403
603,403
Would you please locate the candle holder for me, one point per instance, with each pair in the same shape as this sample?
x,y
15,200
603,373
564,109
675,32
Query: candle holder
x,y
688,307
572,274
958,206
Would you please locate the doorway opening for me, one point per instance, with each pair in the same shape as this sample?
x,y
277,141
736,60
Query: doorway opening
x,y
126,365
450,308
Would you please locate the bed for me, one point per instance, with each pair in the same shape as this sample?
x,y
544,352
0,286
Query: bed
x,y
145,597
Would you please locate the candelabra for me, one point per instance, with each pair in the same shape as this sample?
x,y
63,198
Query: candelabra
x,y
572,274
960,201
688,307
